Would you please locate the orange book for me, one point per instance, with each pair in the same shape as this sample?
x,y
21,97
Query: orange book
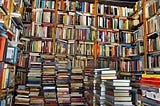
x,y
2,47
62,4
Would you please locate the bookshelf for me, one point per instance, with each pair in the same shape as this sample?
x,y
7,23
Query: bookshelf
x,y
151,51
80,35
11,29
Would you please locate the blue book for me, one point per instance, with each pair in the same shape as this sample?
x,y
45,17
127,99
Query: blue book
x,y
104,22
43,4
135,64
82,6
149,102
37,3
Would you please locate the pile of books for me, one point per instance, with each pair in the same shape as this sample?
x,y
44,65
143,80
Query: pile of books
x,y
34,79
150,89
77,87
88,86
22,97
99,91
62,81
118,93
48,80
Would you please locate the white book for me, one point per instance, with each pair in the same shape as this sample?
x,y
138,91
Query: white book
x,y
124,81
122,98
123,88
123,103
121,84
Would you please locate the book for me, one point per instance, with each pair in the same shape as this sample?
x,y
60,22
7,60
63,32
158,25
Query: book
x,y
3,49
46,17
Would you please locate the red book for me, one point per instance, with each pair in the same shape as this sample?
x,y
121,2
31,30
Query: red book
x,y
153,81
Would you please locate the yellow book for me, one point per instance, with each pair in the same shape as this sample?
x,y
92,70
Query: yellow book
x,y
34,4
3,78
150,76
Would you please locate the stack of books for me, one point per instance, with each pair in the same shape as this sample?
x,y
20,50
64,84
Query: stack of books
x,y
48,80
100,76
22,97
76,84
150,89
34,79
118,93
62,81
88,86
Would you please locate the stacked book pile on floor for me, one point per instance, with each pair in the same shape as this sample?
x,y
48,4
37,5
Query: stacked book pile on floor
x,y
22,97
100,77
49,80
62,80
34,79
118,93
88,86
77,87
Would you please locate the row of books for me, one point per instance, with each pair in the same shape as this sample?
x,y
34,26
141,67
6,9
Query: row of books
x,y
102,62
42,4
138,34
38,45
122,50
127,50
109,23
82,61
114,10
7,76
27,16
108,36
154,43
39,16
151,8
132,65
153,62
78,33
74,47
153,25
125,37
67,5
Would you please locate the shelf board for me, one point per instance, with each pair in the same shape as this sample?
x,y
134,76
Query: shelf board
x,y
3,9
154,52
26,22
150,17
108,29
125,73
152,35
135,12
122,3
137,41
28,9
48,10
48,24
137,26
